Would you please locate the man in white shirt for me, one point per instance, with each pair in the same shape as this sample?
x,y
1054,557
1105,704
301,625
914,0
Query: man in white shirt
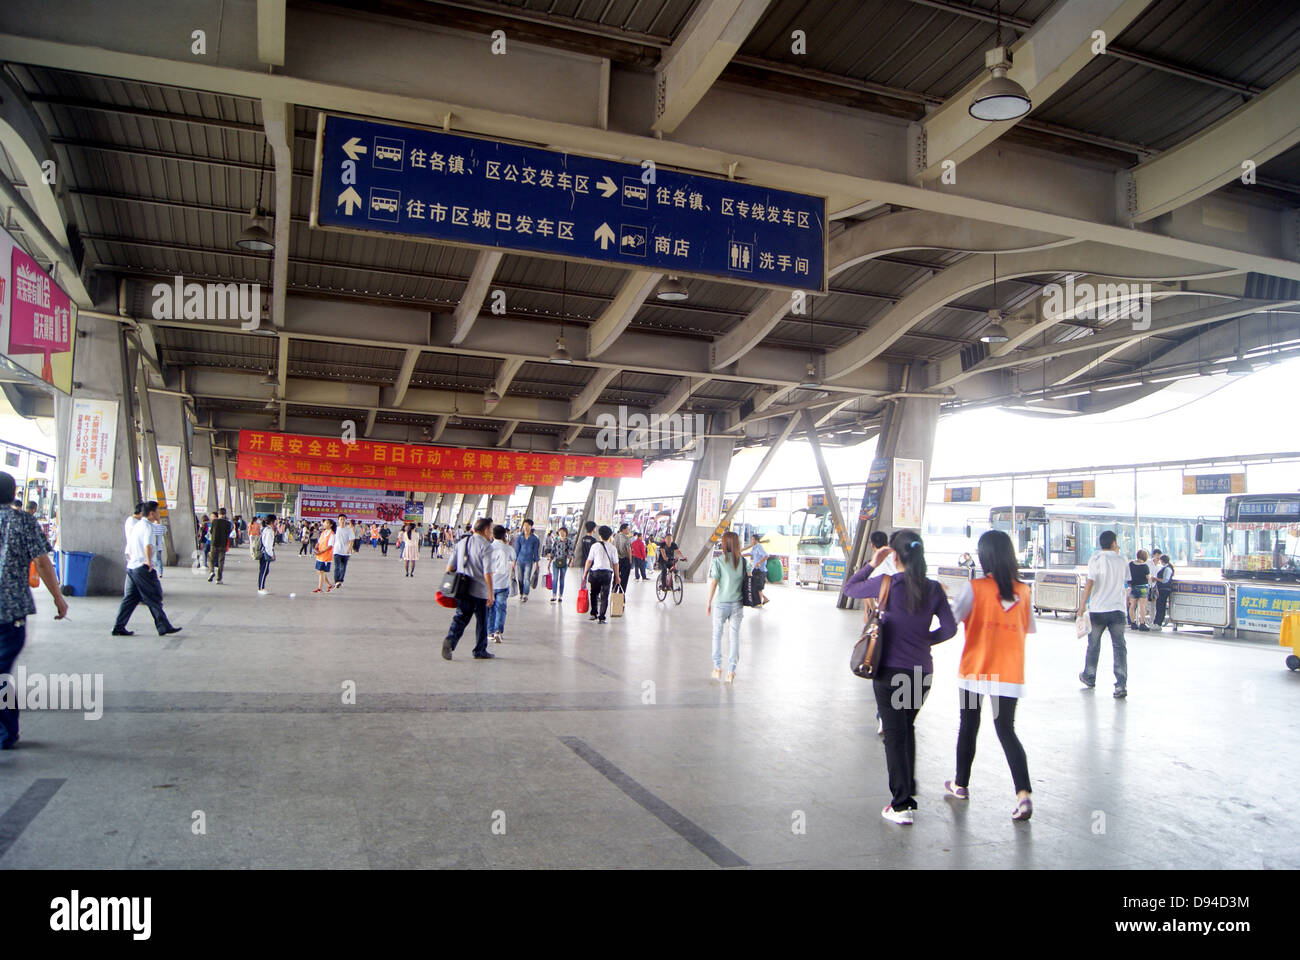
x,y
142,580
1104,600
343,536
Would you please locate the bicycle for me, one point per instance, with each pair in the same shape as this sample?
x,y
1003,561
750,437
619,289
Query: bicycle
x,y
674,585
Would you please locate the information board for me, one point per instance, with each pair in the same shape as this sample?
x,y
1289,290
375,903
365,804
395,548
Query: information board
x,y
708,508
961,494
1214,483
425,184
833,572
909,494
38,320
92,450
1071,489
1203,603
952,578
1056,591
1261,608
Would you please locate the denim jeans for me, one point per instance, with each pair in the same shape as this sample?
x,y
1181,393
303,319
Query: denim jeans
x,y
525,577
732,611
340,567
497,612
1112,620
557,578
12,637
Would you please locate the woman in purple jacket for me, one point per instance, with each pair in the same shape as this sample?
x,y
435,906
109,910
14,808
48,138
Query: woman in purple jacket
x,y
903,682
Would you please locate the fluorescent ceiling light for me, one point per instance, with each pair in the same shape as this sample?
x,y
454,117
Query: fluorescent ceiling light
x,y
1172,377
1118,386
1064,413
1062,396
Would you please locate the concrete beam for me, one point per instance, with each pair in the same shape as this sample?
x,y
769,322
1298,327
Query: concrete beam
x,y
621,311
506,430
1044,59
277,120
439,427
476,288
370,421
584,401
403,381
699,54
976,272
1256,131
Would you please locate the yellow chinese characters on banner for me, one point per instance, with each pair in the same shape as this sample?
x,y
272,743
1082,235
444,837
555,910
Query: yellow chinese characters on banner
x,y
909,494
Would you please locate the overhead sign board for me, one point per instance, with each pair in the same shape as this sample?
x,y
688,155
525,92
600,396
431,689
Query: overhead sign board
x,y
427,185
1214,483
1071,489
38,320
961,494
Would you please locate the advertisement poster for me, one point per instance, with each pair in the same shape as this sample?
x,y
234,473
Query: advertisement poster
x,y
221,493
92,451
1261,608
444,511
909,494
875,486
200,478
413,512
541,512
359,506
169,461
604,506
38,321
708,502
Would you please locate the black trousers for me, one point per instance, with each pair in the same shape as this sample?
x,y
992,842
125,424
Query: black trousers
x,y
600,581
624,570
142,586
477,608
302,552
899,701
218,562
383,547
1162,605
1004,722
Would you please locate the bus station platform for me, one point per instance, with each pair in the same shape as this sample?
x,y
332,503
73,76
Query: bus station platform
x,y
609,747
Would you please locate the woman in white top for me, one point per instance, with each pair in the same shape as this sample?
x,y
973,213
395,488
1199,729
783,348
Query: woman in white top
x,y
601,570
410,543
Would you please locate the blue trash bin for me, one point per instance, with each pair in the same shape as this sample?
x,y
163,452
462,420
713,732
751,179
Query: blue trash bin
x,y
76,572
58,565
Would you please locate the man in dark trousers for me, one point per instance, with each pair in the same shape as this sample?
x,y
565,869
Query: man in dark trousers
x,y
143,586
220,534
21,545
472,559
589,537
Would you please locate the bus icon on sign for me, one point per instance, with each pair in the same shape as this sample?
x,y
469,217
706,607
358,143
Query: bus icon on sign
x,y
388,154
635,193
384,204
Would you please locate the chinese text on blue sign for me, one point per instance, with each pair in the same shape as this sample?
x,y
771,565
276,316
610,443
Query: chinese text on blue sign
x,y
438,186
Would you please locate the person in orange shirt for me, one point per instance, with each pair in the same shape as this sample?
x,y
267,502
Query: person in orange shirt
x,y
997,613
324,557
254,528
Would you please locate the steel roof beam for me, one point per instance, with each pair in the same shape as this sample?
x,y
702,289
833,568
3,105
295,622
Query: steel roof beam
x,y
1257,131
586,399
476,289
636,286
714,33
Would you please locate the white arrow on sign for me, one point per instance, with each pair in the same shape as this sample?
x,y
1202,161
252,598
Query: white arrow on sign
x,y
350,200
353,148
604,234
607,187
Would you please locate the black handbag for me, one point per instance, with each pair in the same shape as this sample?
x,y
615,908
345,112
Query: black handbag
x,y
750,590
456,585
870,648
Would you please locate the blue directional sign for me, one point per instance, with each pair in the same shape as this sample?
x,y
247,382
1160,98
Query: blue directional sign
x,y
428,185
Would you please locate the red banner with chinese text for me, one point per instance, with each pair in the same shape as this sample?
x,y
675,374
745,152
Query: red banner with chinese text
x,y
254,466
361,483
450,458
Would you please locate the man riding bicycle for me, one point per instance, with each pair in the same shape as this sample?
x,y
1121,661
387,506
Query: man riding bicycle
x,y
666,557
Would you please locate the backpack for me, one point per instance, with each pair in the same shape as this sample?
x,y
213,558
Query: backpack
x,y
255,547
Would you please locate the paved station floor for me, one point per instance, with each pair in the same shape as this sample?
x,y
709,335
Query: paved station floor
x,y
551,756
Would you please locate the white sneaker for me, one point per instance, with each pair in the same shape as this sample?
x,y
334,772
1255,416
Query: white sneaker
x,y
262,593
903,818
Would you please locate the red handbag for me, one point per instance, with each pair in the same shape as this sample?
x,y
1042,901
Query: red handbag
x,y
448,602
584,601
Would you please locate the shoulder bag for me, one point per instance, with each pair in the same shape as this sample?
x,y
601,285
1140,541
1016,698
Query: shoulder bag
x,y
456,584
870,648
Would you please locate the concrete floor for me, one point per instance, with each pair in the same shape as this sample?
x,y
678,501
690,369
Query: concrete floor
x,y
548,756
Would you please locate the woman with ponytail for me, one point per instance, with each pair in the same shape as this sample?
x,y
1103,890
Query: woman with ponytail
x,y
906,671
996,611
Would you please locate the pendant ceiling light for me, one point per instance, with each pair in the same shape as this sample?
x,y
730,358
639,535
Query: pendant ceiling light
x,y
999,97
561,353
255,236
993,331
670,288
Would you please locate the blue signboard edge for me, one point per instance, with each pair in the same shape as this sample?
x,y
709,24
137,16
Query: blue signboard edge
x,y
314,220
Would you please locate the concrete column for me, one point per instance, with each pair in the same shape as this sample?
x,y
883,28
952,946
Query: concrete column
x,y
220,469
589,509
692,537
170,427
96,527
202,459
543,493
468,507
152,470
908,434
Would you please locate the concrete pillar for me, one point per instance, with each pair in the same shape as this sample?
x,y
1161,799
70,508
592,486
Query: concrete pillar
x,y
152,470
539,503
498,509
202,460
907,433
468,507
692,537
220,470
591,510
170,427
96,526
